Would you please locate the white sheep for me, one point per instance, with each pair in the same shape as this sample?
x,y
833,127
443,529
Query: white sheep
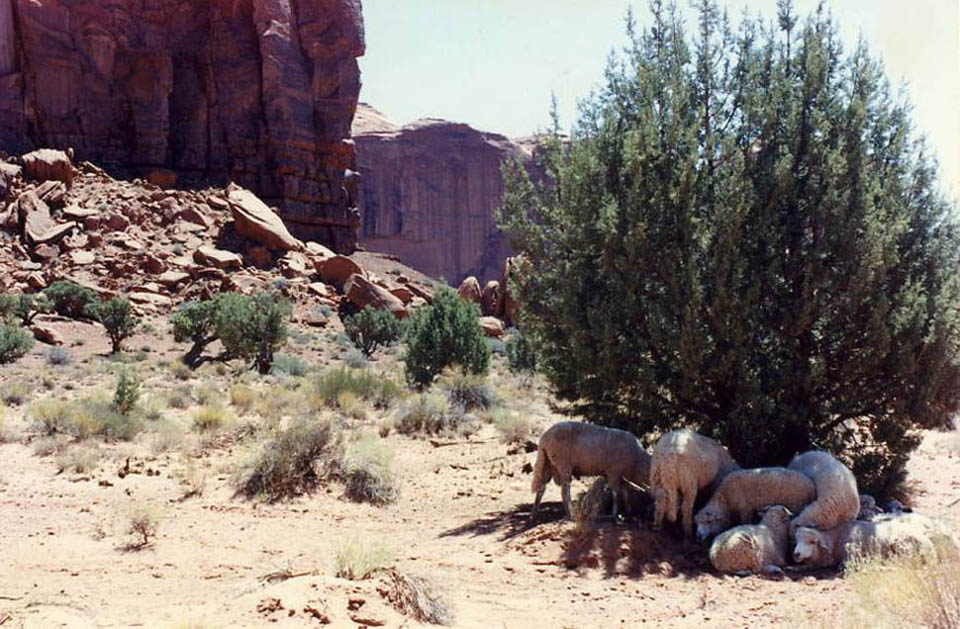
x,y
753,548
885,535
868,507
683,464
569,449
742,493
837,498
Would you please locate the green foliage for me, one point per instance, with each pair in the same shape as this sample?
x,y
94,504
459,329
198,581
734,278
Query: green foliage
x,y
368,386
430,414
15,342
370,329
69,299
445,333
23,306
127,392
252,327
744,237
195,322
467,391
290,365
117,317
58,356
521,356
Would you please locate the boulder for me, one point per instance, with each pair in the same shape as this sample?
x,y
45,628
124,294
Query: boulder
x,y
259,257
492,326
322,290
8,172
46,334
38,225
469,290
171,278
317,250
194,215
47,164
423,293
491,302
162,177
338,269
402,293
254,220
79,257
217,258
361,292
52,193
293,264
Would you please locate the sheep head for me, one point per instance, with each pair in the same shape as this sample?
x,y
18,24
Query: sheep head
x,y
710,521
812,545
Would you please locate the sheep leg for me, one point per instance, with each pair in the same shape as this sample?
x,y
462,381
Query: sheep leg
x,y
614,483
565,492
537,498
659,508
688,494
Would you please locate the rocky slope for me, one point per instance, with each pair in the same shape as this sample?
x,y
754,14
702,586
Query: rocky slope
x,y
428,194
260,92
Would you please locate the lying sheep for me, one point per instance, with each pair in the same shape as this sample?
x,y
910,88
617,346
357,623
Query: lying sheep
x,y
837,498
868,508
753,548
683,464
577,449
886,535
742,493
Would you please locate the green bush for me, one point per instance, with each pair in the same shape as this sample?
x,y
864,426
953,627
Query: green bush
x,y
23,306
467,391
69,299
15,342
370,329
521,357
444,333
429,414
58,356
290,365
117,317
371,387
195,322
252,327
744,236
368,471
127,392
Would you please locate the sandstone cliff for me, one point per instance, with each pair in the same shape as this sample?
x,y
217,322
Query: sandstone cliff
x,y
428,194
261,92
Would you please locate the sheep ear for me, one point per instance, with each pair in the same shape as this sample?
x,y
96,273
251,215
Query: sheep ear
x,y
823,543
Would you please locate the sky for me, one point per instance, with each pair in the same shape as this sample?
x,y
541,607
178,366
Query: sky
x,y
494,63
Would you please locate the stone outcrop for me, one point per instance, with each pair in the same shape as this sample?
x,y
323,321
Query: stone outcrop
x,y
261,92
429,191
254,220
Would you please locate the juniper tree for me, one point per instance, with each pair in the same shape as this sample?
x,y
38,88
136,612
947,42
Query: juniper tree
x,y
744,235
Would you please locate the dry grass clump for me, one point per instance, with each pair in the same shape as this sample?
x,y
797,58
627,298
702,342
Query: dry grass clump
x,y
211,417
92,416
180,398
414,597
50,445
193,478
80,458
7,433
368,471
293,462
242,398
15,392
373,388
431,413
180,371
356,559
468,391
275,403
513,427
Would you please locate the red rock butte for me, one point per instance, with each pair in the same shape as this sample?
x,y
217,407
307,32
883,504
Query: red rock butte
x,y
260,92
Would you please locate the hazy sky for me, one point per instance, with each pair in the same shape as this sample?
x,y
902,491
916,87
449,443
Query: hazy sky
x,y
493,63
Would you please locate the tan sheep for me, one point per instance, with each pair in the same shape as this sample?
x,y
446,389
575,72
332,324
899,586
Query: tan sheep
x,y
570,449
885,535
683,464
753,548
837,498
742,493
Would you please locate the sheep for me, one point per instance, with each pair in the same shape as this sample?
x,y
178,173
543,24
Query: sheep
x,y
868,508
741,494
885,535
837,498
577,449
753,548
683,464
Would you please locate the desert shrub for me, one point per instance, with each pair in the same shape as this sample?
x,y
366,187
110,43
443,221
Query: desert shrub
x,y
180,370
69,299
513,427
415,597
15,342
23,307
252,327
521,357
744,236
374,388
52,416
442,334
275,403
80,458
208,393
49,445
293,462
210,418
84,418
180,398
468,391
8,306
143,525
357,560
117,317
370,329
58,356
195,322
15,392
290,365
428,413
127,392
355,359
368,471
242,398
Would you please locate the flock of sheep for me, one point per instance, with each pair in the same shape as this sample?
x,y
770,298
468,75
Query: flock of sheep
x,y
812,504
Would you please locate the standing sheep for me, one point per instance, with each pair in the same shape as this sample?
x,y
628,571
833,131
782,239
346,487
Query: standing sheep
x,y
742,493
683,464
753,548
837,498
885,535
577,449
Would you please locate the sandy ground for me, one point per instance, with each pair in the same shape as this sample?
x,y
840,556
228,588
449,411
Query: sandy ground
x,y
460,522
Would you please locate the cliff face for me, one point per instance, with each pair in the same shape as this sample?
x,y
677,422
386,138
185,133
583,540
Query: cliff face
x,y
428,194
261,92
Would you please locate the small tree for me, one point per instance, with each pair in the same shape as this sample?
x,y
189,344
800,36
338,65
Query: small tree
x,y
69,299
15,342
127,393
27,306
195,322
370,329
117,317
446,332
521,357
252,327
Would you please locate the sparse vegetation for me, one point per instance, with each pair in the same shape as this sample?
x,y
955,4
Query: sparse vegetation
x,y
58,356
415,597
357,559
368,471
210,418
468,391
521,357
377,389
15,342
79,458
355,359
513,427
15,392
242,398
69,299
144,523
117,317
429,413
127,392
290,365
371,329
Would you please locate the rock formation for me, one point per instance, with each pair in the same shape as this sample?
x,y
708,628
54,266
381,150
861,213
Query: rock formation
x,y
261,92
429,191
